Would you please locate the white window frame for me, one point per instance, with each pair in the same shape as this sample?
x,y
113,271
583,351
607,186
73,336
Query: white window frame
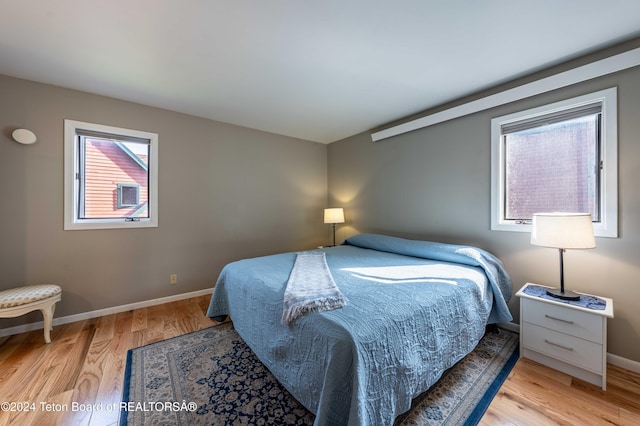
x,y
608,225
71,166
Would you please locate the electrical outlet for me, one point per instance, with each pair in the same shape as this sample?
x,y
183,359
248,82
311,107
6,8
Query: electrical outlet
x,y
173,279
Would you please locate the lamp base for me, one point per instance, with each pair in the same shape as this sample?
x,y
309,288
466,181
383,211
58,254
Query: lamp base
x,y
564,295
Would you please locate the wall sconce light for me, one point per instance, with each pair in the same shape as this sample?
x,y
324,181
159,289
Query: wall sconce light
x,y
24,136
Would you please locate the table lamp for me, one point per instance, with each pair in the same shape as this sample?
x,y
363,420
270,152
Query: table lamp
x,y
563,231
333,216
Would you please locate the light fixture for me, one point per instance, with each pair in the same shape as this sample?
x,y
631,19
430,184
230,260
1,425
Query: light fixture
x,y
24,136
563,231
333,216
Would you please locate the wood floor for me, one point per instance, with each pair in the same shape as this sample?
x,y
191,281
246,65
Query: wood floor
x,y
84,364
537,395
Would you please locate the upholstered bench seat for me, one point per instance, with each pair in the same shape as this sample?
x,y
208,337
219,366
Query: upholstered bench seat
x,y
21,300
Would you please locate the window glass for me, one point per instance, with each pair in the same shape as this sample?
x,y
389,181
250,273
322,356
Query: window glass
x,y
113,172
553,168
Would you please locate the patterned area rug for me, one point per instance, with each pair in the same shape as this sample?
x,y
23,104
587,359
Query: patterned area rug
x,y
211,377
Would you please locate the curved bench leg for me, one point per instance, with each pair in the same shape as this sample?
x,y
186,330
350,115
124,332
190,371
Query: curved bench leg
x,y
47,314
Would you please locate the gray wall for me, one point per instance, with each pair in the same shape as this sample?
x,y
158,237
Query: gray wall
x,y
225,193
434,184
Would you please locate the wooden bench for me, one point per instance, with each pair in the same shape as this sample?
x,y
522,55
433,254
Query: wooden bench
x,y
22,300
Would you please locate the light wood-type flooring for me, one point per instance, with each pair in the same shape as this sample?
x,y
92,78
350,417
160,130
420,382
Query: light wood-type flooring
x,y
84,364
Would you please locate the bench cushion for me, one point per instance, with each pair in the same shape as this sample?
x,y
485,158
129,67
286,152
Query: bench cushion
x,y
28,294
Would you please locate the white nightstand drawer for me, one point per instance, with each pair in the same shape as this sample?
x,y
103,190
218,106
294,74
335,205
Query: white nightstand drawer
x,y
576,351
570,321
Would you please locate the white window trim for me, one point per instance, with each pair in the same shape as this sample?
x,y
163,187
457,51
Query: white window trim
x,y
71,198
608,226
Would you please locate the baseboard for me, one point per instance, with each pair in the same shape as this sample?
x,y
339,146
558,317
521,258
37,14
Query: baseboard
x,y
102,312
612,359
625,363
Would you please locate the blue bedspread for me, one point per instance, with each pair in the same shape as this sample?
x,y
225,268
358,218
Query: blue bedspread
x,y
415,309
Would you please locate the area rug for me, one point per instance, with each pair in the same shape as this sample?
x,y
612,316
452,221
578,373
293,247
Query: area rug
x,y
211,377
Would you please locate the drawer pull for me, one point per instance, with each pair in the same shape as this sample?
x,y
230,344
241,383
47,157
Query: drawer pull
x,y
558,345
558,319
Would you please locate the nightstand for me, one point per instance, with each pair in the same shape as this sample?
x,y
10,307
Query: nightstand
x,y
564,336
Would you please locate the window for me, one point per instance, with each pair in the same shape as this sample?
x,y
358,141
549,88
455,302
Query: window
x,y
128,195
559,157
110,177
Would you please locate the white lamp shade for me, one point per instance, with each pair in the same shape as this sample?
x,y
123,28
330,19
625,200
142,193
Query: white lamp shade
x,y
563,230
335,215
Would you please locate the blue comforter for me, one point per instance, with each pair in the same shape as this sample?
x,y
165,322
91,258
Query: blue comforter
x,y
415,309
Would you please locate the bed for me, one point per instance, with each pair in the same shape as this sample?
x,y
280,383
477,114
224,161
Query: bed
x,y
414,308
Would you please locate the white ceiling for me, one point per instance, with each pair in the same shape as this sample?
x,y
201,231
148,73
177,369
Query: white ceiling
x,y
318,70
